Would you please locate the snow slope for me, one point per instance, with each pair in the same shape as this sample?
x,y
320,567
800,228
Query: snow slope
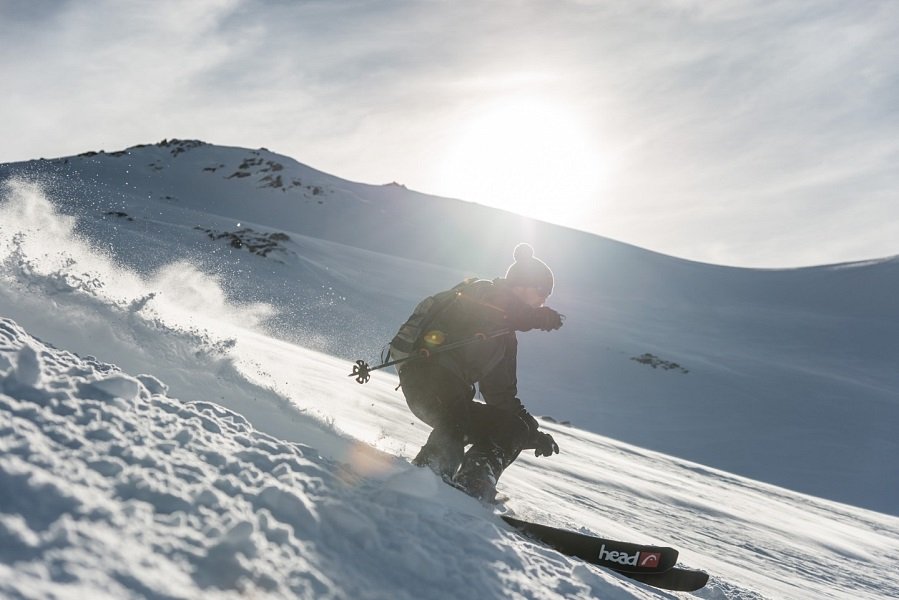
x,y
792,374
112,487
248,464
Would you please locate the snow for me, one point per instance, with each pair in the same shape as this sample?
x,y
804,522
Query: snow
x,y
176,419
111,488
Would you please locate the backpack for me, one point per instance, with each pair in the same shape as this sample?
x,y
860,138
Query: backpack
x,y
414,335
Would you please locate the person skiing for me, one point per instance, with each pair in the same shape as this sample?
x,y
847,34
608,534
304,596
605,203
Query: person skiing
x,y
440,387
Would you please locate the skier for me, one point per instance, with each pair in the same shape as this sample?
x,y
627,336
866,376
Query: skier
x,y
440,388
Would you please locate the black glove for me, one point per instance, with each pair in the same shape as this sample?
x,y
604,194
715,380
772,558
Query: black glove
x,y
545,445
548,319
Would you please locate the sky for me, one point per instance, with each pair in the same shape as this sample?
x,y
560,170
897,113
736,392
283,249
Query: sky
x,y
760,134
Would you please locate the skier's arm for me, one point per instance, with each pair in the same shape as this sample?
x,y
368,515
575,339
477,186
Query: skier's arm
x,y
499,387
522,317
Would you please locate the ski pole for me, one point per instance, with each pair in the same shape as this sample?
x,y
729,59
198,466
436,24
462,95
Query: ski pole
x,y
362,370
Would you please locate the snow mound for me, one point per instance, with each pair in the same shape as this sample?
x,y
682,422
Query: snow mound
x,y
111,488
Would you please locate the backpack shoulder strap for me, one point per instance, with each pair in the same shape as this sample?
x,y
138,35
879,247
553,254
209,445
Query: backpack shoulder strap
x,y
408,338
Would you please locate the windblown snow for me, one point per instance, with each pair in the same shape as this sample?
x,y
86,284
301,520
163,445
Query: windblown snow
x,y
168,431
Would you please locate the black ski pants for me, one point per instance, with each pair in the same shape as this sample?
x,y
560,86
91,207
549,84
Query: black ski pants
x,y
445,402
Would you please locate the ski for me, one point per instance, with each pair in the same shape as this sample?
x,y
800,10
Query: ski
x,y
613,554
652,565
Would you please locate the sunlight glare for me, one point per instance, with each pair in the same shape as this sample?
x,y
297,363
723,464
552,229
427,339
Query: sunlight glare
x,y
532,157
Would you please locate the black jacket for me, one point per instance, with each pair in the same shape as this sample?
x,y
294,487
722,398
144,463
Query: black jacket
x,y
485,307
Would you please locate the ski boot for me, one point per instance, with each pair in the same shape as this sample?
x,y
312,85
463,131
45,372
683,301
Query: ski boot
x,y
480,470
442,453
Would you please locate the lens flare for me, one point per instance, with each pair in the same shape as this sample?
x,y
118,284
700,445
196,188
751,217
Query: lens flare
x,y
434,338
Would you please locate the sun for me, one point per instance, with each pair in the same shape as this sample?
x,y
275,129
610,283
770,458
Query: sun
x,y
529,156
